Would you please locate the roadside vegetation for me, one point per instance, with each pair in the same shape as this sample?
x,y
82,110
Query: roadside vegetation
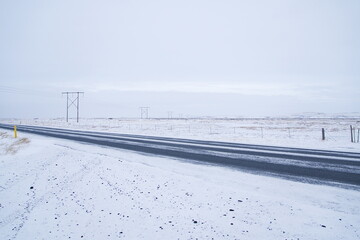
x,y
11,145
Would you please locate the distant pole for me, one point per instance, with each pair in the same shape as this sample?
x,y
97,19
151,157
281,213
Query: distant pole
x,y
144,112
78,108
323,133
354,134
289,133
67,107
169,114
351,133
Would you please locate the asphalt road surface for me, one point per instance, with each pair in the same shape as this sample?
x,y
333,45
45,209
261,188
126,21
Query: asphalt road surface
x,y
316,166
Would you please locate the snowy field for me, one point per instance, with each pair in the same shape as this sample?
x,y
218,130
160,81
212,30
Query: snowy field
x,y
302,132
58,189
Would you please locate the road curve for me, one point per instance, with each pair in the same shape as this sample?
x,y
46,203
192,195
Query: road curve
x,y
319,166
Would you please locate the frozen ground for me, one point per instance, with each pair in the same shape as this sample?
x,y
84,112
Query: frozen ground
x,y
302,132
57,189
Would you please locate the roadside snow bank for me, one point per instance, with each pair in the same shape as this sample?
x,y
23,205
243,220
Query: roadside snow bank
x,y
57,189
11,145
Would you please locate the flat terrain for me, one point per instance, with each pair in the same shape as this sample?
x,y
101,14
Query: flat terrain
x,y
60,189
302,132
330,167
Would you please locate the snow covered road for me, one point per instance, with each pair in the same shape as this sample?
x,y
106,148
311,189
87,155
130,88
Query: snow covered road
x,y
59,189
328,167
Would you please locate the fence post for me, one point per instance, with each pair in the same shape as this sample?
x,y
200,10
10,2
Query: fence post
x,y
354,129
351,133
323,133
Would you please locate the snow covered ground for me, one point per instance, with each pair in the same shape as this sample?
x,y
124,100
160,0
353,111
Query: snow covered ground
x,y
58,189
304,132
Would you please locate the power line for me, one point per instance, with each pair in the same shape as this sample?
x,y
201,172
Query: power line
x,y
22,91
74,101
170,114
144,112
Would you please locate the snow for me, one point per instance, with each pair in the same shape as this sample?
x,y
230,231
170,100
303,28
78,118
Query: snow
x,y
58,189
303,132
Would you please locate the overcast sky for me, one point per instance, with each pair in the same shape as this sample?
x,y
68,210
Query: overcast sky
x,y
192,57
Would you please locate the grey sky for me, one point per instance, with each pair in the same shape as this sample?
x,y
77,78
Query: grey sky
x,y
196,57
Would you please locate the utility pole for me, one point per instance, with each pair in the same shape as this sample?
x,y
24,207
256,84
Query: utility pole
x,y
169,114
144,112
74,99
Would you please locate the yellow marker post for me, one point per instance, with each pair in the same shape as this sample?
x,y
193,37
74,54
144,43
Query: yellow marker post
x,y
15,132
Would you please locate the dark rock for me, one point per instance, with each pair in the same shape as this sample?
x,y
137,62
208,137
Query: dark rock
x,y
323,226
